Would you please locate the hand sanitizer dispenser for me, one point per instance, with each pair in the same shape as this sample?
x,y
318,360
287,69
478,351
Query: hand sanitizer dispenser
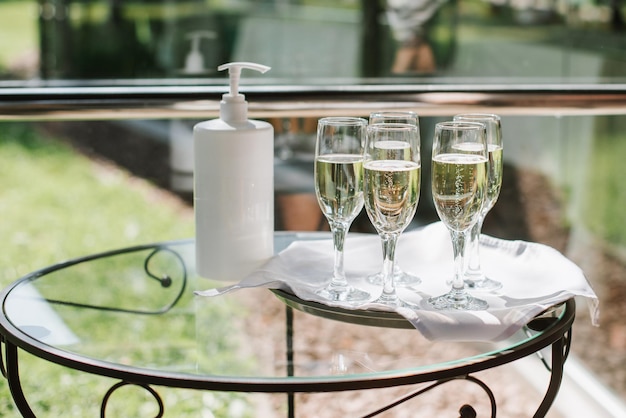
x,y
233,187
194,61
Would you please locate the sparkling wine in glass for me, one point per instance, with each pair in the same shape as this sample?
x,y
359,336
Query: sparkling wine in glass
x,y
339,190
474,277
459,184
401,278
391,184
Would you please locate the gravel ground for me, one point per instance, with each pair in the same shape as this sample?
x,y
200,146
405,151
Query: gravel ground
x,y
601,349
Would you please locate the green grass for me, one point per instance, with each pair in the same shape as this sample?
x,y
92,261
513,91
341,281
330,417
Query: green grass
x,y
56,204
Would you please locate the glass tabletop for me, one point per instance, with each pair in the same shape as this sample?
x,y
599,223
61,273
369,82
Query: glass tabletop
x,y
133,311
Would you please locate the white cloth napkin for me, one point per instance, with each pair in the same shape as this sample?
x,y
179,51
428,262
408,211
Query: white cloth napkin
x,y
535,277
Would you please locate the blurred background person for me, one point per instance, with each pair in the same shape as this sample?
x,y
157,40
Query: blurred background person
x,y
409,21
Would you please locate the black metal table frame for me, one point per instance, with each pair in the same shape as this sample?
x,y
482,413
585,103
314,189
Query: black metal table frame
x,y
556,332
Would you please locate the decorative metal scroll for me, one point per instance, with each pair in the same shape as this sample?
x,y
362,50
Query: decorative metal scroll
x,y
466,411
164,279
118,385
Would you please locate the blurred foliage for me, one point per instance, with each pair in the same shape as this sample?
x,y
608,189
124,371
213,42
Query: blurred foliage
x,y
606,194
19,35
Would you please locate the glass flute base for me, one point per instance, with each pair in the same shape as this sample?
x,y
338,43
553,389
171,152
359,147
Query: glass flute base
x,y
393,302
458,300
480,282
401,278
343,294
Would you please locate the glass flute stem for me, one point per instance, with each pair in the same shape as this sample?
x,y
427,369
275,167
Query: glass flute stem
x,y
473,261
340,231
458,297
389,252
459,239
474,276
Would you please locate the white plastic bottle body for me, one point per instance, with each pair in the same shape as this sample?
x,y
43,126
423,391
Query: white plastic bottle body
x,y
233,197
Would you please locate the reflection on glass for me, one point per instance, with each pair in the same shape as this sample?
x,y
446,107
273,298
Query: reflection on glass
x,y
511,42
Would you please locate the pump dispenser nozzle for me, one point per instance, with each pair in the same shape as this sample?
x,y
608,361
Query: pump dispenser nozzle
x,y
233,107
194,62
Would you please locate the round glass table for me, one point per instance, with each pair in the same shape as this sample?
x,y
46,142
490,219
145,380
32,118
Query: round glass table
x,y
130,315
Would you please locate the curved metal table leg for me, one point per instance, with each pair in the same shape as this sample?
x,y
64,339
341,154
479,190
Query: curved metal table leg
x,y
560,348
13,378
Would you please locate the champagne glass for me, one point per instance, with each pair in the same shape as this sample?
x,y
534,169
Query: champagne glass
x,y
339,190
401,278
392,116
459,183
474,277
391,184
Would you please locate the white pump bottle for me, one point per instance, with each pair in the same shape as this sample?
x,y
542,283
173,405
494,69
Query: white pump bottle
x,y
233,187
